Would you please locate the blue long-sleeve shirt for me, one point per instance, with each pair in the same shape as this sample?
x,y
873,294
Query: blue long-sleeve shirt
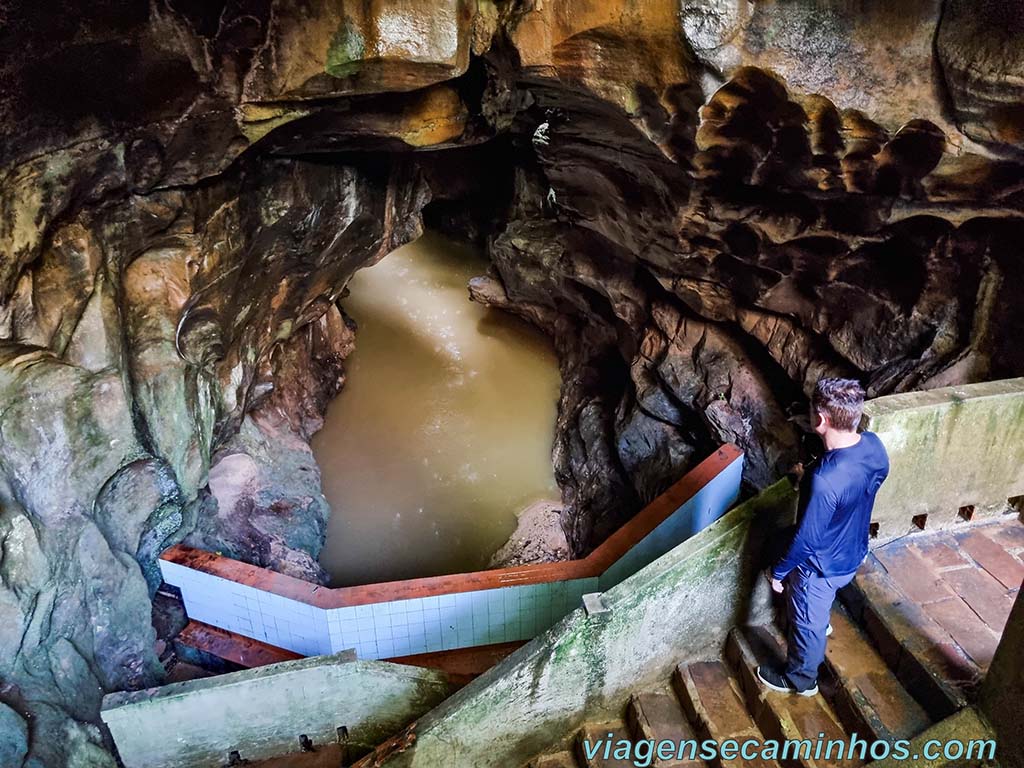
x,y
836,498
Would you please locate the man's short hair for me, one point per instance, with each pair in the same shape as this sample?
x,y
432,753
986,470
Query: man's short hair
x,y
842,400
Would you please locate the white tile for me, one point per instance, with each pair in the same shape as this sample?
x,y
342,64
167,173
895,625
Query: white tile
x,y
367,650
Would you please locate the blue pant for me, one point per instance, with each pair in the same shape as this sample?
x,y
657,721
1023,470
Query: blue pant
x,y
810,604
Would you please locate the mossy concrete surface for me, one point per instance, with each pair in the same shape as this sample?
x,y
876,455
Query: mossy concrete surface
x,y
262,712
966,727
679,608
1002,692
949,448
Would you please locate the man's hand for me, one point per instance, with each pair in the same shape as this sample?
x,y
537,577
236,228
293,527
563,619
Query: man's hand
x,y
777,585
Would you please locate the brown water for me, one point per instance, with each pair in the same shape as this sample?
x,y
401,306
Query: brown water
x,y
444,428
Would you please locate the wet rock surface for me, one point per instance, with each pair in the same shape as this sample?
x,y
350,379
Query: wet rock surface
x,y
706,211
538,538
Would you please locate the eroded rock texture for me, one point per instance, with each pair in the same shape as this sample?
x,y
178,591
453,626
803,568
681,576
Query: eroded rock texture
x,y
707,205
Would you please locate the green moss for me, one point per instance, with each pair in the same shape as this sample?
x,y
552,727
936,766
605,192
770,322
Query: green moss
x,y
345,55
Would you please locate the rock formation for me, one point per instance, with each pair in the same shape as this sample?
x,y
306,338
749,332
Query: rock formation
x,y
707,205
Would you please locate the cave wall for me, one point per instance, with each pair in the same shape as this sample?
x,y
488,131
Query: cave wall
x,y
707,205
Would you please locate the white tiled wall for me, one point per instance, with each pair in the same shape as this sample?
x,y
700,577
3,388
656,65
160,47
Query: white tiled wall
x,y
701,510
426,624
462,620
250,612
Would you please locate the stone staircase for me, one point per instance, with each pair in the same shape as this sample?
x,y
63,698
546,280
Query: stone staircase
x,y
891,672
723,700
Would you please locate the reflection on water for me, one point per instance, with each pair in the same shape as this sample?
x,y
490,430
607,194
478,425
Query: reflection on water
x,y
444,428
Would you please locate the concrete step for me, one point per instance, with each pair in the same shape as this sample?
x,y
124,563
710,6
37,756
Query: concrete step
x,y
658,717
965,726
868,698
563,759
782,716
615,732
924,656
711,700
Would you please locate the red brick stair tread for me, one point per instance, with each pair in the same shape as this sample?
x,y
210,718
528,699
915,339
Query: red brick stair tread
x,y
600,732
564,759
985,595
941,551
780,716
923,656
993,558
659,717
712,702
964,626
913,574
1009,534
873,698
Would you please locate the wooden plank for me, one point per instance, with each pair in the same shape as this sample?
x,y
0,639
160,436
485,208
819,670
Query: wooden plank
x,y
461,664
243,651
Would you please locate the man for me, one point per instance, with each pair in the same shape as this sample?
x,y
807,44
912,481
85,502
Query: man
x,y
836,497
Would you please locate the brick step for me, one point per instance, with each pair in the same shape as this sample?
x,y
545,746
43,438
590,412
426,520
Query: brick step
x,y
711,700
965,726
616,732
563,759
781,716
925,657
968,602
868,698
659,717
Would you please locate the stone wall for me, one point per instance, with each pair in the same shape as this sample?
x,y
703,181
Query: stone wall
x,y
949,448
262,712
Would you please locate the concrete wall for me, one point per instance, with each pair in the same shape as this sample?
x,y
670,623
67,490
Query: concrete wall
x,y
392,628
262,712
948,448
678,608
